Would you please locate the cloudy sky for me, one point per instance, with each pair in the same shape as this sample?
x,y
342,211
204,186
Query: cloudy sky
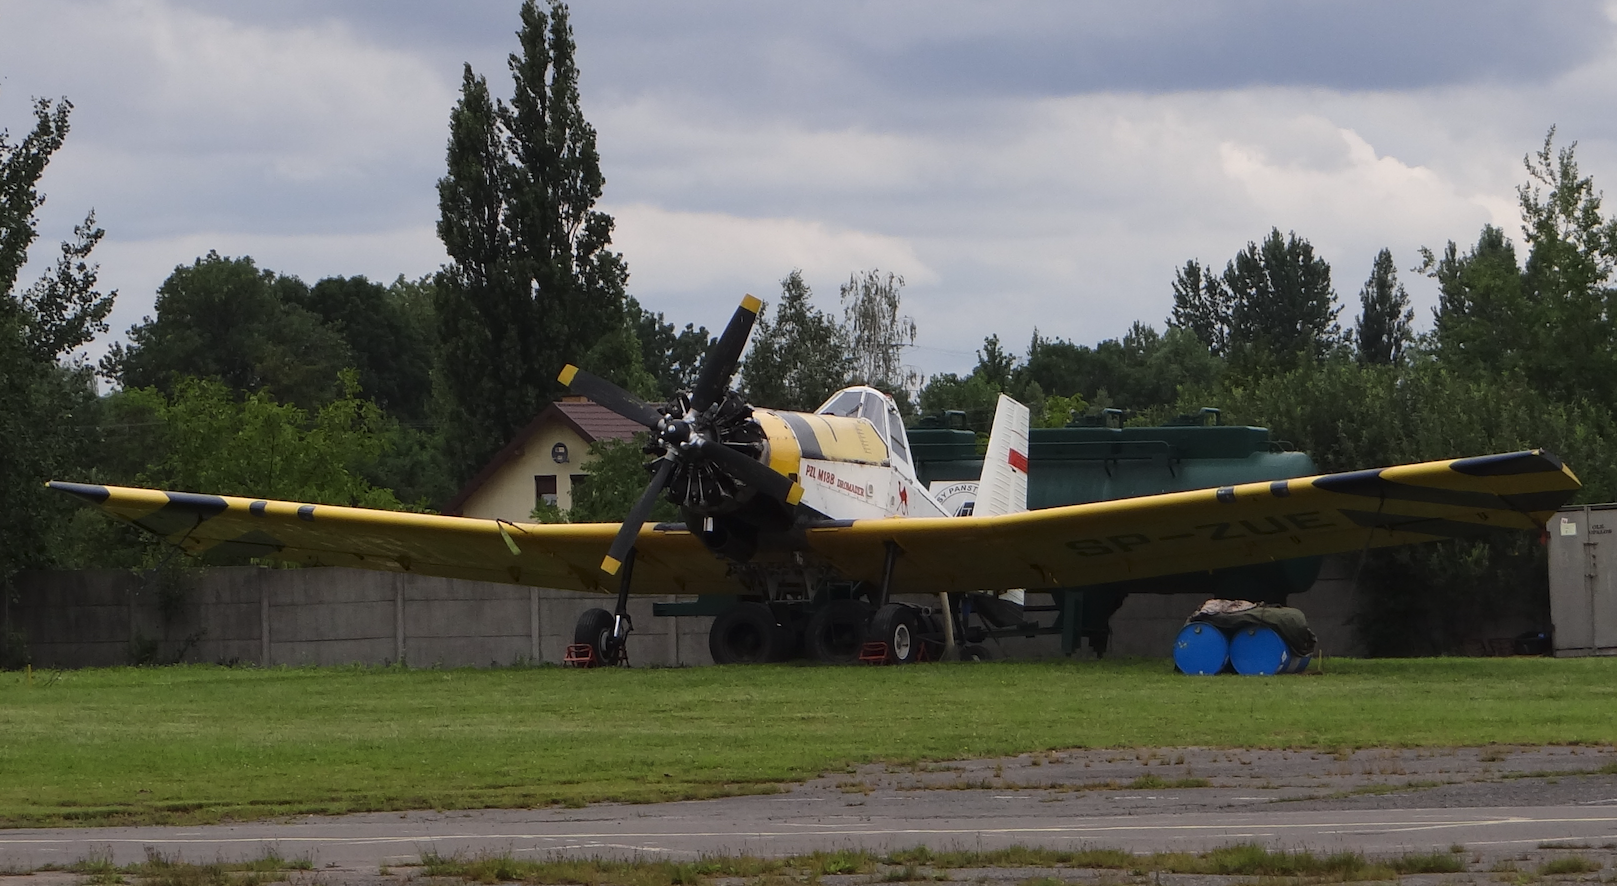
x,y
1021,164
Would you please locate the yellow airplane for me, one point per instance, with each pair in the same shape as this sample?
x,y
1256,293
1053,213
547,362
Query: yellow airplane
x,y
819,518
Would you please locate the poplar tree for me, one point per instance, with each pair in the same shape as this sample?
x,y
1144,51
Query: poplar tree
x,y
1385,317
531,284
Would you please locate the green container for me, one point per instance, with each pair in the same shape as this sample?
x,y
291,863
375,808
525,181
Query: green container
x,y
1075,465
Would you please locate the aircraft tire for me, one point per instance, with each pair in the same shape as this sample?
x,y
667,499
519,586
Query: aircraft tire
x,y
746,634
836,632
595,629
898,626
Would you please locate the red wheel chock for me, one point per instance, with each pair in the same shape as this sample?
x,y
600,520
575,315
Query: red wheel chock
x,y
582,655
873,653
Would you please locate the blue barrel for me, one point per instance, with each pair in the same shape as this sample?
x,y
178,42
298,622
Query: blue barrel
x,y
1256,650
1200,650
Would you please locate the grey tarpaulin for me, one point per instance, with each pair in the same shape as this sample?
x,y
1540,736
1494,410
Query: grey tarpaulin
x,y
1230,616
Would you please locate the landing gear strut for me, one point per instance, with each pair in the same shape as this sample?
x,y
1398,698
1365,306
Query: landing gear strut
x,y
602,638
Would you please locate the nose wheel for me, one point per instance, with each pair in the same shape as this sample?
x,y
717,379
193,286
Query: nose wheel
x,y
602,638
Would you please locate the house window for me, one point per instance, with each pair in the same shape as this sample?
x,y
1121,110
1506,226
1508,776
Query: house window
x,y
544,489
578,481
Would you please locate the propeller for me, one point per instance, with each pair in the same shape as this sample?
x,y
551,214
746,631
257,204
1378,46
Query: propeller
x,y
706,442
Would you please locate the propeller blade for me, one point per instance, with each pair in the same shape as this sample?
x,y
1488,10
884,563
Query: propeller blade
x,y
720,364
609,395
630,530
754,473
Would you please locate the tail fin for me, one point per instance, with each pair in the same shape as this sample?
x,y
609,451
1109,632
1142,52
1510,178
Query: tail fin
x,y
1003,486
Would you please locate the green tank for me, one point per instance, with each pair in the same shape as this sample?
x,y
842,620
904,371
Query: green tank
x,y
1074,465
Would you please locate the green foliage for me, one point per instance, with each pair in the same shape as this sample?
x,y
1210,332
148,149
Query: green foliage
x,y
531,284
619,358
1142,372
227,319
47,396
799,357
389,332
1201,304
974,395
208,440
1479,325
1272,309
1349,415
1383,329
673,357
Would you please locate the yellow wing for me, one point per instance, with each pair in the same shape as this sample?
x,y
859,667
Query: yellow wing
x,y
1058,547
670,561
1206,529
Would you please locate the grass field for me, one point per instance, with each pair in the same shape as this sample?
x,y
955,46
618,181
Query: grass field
x,y
195,743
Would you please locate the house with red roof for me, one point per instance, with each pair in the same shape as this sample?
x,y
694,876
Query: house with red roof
x,y
545,462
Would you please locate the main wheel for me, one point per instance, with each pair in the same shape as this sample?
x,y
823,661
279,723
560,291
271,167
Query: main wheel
x,y
898,626
836,632
594,628
746,634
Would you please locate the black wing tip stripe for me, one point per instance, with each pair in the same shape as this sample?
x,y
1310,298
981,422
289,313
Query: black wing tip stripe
x,y
306,512
204,506
1353,483
1280,489
1533,461
1225,494
257,508
88,491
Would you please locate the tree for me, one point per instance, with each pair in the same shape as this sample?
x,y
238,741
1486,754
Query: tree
x,y
47,397
672,357
994,365
226,318
877,333
1282,307
1481,324
798,358
1383,329
1201,303
1552,319
389,332
531,284
205,437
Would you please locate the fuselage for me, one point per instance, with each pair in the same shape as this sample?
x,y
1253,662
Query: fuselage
x,y
851,457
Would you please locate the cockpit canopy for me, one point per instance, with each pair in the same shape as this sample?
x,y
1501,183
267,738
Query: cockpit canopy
x,y
877,408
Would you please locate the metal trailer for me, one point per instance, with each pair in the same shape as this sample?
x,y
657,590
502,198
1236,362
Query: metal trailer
x,y
1073,465
1583,580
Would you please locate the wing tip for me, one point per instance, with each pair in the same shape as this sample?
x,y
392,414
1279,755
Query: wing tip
x,y
752,303
568,373
91,492
610,565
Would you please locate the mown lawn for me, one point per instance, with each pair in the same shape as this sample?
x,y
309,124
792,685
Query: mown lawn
x,y
196,743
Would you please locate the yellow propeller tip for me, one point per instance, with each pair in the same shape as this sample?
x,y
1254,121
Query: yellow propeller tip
x,y
610,565
794,495
568,372
752,303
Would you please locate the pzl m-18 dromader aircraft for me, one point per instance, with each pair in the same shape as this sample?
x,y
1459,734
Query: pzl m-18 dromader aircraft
x,y
814,522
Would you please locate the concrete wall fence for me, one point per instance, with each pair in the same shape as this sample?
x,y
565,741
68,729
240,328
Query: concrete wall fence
x,y
263,616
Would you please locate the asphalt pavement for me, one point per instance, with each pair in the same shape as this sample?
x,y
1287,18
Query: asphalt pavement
x,y
1496,802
